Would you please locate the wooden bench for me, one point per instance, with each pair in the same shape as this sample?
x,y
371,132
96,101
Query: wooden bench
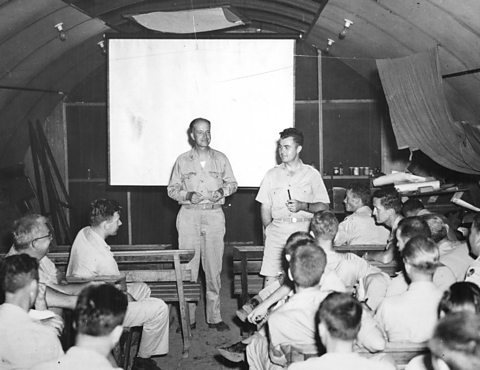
x,y
164,270
400,352
247,261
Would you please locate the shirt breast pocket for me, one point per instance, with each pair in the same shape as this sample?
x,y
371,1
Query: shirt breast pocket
x,y
216,178
189,179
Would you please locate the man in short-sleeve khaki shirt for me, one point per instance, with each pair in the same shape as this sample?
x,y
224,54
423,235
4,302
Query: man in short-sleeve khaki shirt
x,y
289,194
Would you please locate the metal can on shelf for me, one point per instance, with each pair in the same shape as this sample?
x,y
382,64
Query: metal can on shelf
x,y
336,171
356,171
366,171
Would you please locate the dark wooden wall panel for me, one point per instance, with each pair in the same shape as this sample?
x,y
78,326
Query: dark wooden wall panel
x,y
351,135
153,216
306,119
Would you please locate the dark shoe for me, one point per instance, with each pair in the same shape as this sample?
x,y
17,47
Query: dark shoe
x,y
192,327
234,353
144,364
220,326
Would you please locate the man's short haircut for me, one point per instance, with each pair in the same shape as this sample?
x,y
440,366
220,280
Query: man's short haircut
x,y
99,310
26,229
195,121
460,296
296,239
422,253
456,340
324,225
411,205
476,221
410,227
17,271
361,191
295,134
307,264
103,210
438,226
389,199
341,314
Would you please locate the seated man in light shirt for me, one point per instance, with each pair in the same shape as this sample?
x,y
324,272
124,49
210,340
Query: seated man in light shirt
x,y
359,227
339,318
91,256
473,271
98,319
24,341
412,315
33,235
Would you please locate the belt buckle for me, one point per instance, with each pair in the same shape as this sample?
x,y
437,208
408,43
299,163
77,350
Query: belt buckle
x,y
294,219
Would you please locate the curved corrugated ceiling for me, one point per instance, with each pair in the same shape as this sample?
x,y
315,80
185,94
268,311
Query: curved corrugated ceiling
x,y
32,56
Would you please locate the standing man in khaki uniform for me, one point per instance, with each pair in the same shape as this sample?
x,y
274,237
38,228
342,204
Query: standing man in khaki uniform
x,y
290,193
200,181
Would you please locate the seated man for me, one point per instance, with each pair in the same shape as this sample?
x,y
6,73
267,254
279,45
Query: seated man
x,y
473,272
411,316
413,207
24,341
91,256
339,319
387,206
98,319
359,227
455,344
454,255
291,327
350,268
32,235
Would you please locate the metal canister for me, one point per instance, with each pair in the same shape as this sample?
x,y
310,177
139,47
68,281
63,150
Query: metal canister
x,y
356,171
336,171
366,171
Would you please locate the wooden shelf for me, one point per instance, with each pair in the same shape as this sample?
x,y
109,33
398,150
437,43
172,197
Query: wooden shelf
x,y
346,177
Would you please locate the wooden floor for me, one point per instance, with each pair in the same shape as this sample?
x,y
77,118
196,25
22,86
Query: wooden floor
x,y
203,354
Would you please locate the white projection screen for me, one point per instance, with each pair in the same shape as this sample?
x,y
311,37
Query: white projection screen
x,y
156,87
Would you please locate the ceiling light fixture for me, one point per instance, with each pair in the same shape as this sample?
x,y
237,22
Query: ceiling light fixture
x,y
330,42
61,33
346,26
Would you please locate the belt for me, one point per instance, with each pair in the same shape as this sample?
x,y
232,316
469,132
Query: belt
x,y
293,219
204,206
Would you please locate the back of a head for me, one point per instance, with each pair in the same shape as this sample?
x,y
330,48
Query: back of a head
x,y
389,199
16,272
421,253
460,296
411,207
476,221
341,314
294,133
360,191
438,225
307,264
296,239
324,225
26,228
103,210
456,341
99,310
410,227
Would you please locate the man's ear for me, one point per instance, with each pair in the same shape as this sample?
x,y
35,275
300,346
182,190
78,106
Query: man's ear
x,y
116,334
322,331
299,149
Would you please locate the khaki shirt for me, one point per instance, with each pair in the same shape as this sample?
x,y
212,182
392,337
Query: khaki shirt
x,y
188,175
305,185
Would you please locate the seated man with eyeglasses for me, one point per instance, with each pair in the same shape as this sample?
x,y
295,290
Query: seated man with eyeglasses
x,y
32,235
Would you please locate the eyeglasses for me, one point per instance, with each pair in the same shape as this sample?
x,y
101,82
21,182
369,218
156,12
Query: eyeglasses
x,y
49,236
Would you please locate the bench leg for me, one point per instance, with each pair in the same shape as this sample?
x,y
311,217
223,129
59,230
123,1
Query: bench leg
x,y
184,316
